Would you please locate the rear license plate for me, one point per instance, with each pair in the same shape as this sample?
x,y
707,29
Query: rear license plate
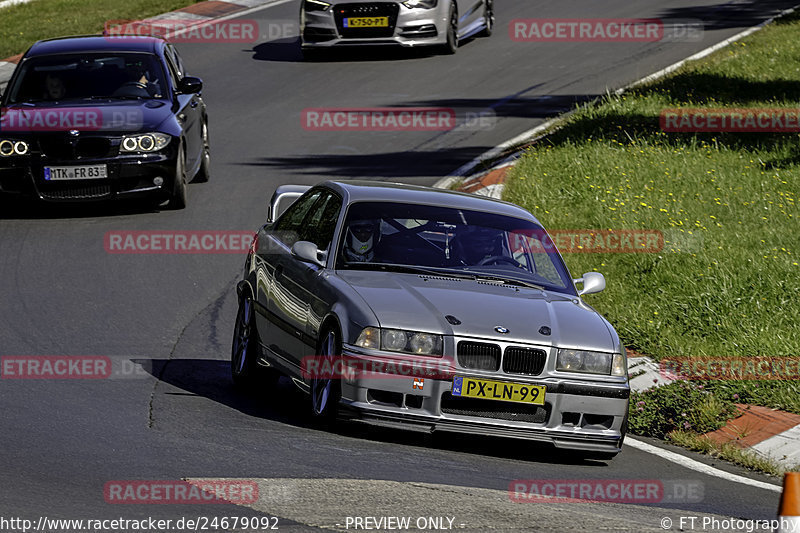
x,y
366,22
498,390
87,172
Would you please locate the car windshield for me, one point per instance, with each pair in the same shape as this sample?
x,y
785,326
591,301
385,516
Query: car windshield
x,y
89,76
448,241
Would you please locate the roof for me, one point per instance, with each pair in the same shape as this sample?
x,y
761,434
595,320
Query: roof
x,y
378,191
92,43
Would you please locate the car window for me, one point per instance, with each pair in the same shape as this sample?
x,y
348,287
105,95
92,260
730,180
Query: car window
x,y
62,77
177,61
290,224
172,70
377,235
321,220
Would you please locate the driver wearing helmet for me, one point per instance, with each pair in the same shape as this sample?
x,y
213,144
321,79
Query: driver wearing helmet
x,y
475,244
360,240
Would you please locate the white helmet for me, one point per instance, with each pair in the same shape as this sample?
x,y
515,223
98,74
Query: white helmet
x,y
360,241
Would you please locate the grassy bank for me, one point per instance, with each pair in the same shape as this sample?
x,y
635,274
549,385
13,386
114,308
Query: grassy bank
x,y
727,282
24,24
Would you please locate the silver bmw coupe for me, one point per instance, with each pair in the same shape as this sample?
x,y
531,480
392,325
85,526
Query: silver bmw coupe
x,y
428,309
442,23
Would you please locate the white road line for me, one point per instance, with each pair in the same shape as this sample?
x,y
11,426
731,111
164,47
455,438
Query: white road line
x,y
530,134
697,466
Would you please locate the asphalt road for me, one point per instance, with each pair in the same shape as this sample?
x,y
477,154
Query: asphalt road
x,y
170,411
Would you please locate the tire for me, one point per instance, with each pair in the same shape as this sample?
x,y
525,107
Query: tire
x,y
450,47
204,172
326,392
177,199
245,343
245,370
488,19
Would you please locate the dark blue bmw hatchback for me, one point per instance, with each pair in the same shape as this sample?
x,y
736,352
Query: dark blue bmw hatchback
x,y
102,117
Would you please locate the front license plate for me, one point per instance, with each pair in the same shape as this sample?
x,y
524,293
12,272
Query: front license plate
x,y
498,390
87,172
366,22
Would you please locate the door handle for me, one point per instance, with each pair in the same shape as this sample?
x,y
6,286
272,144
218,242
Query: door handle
x,y
194,104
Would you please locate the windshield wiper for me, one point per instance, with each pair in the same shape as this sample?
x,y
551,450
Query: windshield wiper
x,y
510,280
412,269
447,273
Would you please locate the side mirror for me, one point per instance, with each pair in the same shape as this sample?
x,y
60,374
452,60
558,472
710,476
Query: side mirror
x,y
284,196
190,85
308,252
592,282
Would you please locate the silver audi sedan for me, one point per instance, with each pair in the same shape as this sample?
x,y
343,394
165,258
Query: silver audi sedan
x,y
442,23
427,309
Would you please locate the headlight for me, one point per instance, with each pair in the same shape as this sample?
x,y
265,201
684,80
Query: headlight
x,y
144,142
421,4
9,148
398,340
316,5
608,364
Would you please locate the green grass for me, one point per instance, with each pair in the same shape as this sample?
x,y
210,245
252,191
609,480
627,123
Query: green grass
x,y
728,452
22,25
728,280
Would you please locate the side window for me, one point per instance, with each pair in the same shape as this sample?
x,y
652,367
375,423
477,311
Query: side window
x,y
176,58
171,71
321,222
289,227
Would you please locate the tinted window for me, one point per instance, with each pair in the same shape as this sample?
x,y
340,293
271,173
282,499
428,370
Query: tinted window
x,y
321,222
98,75
289,227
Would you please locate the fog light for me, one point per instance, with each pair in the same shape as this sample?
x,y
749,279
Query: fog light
x,y
158,182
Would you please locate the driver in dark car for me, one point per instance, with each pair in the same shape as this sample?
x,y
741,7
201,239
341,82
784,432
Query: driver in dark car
x,y
137,76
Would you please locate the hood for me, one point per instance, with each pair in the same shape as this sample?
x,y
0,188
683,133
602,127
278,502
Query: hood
x,y
410,301
85,116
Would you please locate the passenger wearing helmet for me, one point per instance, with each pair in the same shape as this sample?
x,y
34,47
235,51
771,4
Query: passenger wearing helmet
x,y
360,240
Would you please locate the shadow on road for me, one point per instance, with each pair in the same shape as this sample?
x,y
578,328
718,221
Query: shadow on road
x,y
12,208
288,50
284,403
726,15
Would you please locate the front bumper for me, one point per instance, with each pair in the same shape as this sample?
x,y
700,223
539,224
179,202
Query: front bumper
x,y
407,27
128,176
577,414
